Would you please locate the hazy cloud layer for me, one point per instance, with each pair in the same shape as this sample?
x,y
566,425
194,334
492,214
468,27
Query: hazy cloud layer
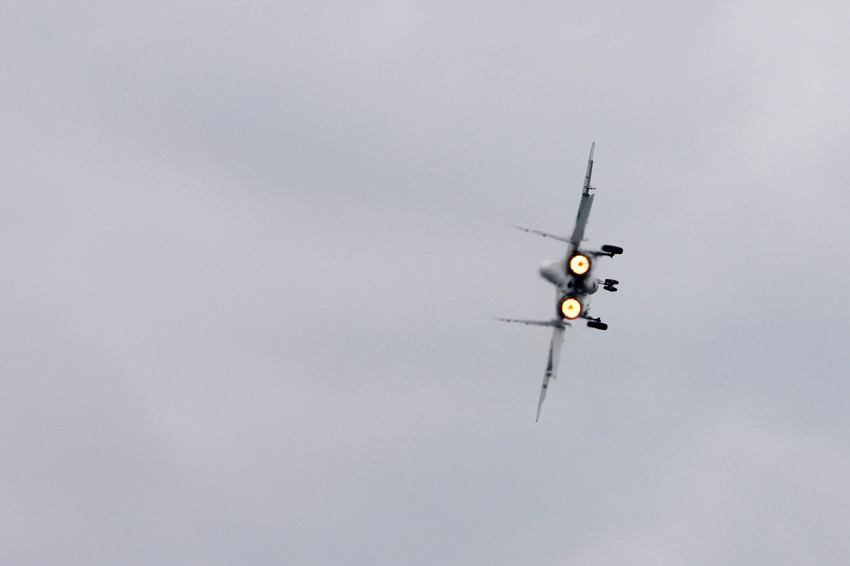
x,y
249,256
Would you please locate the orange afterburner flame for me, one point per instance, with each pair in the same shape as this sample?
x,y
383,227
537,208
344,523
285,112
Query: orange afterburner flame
x,y
571,308
579,264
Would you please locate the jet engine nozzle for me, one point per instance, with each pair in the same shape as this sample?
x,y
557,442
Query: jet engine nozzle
x,y
579,264
571,308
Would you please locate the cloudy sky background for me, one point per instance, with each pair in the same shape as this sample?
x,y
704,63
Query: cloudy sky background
x,y
249,256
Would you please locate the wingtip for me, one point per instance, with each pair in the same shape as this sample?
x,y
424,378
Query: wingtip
x,y
592,146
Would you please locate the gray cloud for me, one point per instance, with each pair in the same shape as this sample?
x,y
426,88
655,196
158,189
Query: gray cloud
x,y
249,256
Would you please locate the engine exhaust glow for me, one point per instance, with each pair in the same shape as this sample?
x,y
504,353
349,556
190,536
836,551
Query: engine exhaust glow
x,y
571,308
579,264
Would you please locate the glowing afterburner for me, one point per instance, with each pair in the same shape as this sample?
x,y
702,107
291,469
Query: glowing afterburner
x,y
571,308
579,264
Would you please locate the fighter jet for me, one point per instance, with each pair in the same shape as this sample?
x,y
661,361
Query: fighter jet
x,y
574,281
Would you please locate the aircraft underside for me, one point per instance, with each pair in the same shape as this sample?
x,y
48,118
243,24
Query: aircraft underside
x,y
574,280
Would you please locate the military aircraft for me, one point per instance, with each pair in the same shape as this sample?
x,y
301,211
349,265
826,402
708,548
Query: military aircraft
x,y
574,282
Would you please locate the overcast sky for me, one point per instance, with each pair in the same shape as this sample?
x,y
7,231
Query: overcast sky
x,y
249,256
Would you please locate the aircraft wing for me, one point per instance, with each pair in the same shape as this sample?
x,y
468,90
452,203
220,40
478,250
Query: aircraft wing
x,y
552,364
584,206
